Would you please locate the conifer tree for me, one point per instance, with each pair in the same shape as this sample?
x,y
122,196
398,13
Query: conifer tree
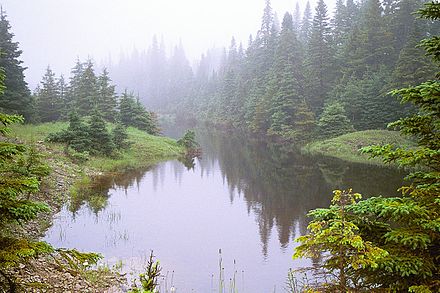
x,y
16,98
120,136
87,98
306,24
100,138
287,79
19,178
405,227
126,106
320,59
73,92
297,18
106,98
63,91
49,102
333,121
76,136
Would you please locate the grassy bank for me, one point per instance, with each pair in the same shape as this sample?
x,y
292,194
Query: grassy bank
x,y
145,149
347,147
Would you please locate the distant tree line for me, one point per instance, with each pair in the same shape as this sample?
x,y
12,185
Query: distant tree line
x,y
314,74
86,96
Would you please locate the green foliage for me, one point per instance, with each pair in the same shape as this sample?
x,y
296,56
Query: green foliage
x,y
100,138
15,98
347,147
76,136
21,171
49,102
335,238
120,136
188,140
406,227
133,113
150,279
333,121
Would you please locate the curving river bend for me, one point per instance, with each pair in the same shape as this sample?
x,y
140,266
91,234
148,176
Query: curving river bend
x,y
245,197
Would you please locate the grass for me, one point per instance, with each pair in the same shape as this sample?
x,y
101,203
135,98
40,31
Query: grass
x,y
347,147
145,149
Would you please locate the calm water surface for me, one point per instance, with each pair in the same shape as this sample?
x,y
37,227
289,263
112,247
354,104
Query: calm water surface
x,y
247,198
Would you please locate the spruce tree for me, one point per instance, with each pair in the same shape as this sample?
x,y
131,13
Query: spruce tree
x,y
320,59
19,178
287,79
120,136
106,98
306,24
76,136
16,98
73,91
126,106
49,102
64,97
333,121
100,138
87,98
406,227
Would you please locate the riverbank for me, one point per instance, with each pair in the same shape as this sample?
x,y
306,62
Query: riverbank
x,y
45,274
145,150
347,147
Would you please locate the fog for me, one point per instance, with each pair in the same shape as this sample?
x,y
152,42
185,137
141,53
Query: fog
x,y
57,32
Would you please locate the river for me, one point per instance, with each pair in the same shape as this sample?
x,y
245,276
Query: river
x,y
244,197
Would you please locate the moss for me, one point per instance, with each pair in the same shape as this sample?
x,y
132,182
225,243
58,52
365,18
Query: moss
x,y
347,147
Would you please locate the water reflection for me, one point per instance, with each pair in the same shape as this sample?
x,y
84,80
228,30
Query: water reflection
x,y
245,196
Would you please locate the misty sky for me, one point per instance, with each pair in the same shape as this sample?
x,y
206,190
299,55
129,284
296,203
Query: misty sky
x,y
56,32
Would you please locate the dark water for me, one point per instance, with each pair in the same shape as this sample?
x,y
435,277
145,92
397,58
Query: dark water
x,y
245,197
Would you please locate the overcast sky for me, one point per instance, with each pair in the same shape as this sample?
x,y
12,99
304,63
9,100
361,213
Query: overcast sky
x,y
56,32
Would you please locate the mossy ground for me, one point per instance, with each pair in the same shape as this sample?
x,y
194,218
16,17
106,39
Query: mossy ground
x,y
347,147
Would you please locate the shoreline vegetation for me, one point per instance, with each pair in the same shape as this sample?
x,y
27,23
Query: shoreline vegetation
x,y
49,272
347,147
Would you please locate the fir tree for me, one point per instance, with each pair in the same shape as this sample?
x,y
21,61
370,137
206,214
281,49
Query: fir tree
x,y
120,136
20,173
76,136
405,227
87,97
49,102
16,98
106,98
306,24
100,138
333,121
320,59
64,97
287,79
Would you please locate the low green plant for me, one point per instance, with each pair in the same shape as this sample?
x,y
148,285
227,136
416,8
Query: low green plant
x,y
150,279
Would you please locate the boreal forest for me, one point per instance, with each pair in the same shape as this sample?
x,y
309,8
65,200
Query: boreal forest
x,y
304,158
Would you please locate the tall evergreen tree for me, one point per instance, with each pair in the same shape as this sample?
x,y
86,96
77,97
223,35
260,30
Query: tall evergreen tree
x,y
306,24
64,97
320,59
49,103
106,98
287,79
101,141
16,98
87,98
296,18
73,91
